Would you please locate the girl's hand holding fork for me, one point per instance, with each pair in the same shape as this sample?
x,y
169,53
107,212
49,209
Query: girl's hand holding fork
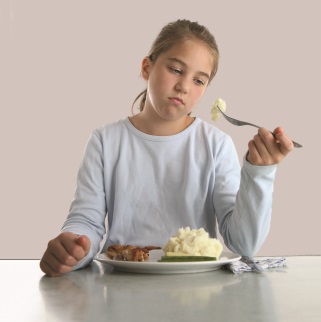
x,y
265,149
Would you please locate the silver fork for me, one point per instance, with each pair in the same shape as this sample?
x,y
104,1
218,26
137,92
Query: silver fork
x,y
251,263
240,123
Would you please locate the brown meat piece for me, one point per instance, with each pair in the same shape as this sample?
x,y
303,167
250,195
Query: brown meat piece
x,y
129,252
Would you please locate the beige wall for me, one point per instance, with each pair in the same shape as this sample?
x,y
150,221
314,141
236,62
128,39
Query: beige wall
x,y
70,66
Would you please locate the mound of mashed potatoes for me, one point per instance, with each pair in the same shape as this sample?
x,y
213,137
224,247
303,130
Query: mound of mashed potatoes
x,y
215,111
193,242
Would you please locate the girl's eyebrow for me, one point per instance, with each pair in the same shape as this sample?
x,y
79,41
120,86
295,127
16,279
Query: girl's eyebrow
x,y
185,65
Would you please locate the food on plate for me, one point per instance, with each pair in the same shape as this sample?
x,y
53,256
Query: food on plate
x,y
215,111
129,252
192,242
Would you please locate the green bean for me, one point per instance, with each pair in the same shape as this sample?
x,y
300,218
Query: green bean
x,y
186,258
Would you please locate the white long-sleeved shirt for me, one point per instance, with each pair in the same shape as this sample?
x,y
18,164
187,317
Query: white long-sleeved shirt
x,y
150,186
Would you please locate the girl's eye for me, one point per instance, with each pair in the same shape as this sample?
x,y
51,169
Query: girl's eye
x,y
175,70
199,82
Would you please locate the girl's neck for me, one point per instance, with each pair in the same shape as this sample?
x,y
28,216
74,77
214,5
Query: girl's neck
x,y
160,127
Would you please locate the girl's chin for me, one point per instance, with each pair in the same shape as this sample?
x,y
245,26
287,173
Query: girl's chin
x,y
172,114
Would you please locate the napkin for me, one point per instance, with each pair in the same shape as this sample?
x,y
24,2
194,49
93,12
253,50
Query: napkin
x,y
258,265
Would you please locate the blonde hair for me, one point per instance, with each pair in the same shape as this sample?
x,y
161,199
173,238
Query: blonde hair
x,y
178,32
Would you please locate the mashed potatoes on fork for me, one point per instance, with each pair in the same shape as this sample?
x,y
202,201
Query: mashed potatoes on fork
x,y
193,242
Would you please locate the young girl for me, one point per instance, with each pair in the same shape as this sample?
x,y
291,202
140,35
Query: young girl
x,y
162,169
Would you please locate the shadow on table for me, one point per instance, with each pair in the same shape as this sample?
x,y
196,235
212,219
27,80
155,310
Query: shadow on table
x,y
98,292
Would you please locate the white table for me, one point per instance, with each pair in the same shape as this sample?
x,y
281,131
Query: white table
x,y
98,293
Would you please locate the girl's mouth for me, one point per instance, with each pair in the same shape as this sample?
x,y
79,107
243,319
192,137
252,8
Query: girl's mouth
x,y
177,100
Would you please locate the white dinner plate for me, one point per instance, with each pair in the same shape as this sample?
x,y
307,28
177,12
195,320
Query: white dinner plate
x,y
152,266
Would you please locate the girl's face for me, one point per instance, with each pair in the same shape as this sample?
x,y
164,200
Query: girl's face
x,y
177,79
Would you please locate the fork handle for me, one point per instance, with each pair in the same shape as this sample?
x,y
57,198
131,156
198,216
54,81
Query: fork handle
x,y
295,144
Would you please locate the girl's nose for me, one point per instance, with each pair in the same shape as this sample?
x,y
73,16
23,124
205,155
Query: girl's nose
x,y
181,87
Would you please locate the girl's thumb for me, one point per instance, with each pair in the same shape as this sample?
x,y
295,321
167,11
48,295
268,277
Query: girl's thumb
x,y
84,242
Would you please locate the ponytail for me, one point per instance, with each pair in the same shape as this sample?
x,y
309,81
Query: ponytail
x,y
142,101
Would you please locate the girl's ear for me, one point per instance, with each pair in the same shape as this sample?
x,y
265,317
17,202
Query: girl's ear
x,y
146,63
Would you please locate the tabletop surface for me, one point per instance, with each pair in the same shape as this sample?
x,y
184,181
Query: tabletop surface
x,y
99,293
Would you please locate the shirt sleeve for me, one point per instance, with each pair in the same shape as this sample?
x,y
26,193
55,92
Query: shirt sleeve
x,y
243,202
88,208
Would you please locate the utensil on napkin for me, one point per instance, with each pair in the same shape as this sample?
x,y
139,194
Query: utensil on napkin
x,y
247,264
